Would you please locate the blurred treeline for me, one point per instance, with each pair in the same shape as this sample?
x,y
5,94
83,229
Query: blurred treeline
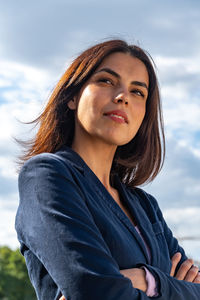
x,y
14,280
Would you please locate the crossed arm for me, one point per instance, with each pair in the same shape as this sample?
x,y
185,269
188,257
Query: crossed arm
x,y
187,272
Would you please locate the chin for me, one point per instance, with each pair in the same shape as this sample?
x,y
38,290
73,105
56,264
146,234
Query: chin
x,y
123,143
118,142
118,138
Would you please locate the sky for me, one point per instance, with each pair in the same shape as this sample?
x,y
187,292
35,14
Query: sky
x,y
39,39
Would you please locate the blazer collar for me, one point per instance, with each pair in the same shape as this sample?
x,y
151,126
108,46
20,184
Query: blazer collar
x,y
67,153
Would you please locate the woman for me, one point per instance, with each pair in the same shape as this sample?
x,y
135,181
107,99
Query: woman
x,y
85,229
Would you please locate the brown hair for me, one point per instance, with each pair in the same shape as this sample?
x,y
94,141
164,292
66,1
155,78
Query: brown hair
x,y
137,162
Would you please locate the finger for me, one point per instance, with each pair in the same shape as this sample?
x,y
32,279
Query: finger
x,y
192,274
184,268
62,298
197,279
175,260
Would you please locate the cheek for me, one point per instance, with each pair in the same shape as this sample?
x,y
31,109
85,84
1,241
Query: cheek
x,y
92,102
88,107
138,111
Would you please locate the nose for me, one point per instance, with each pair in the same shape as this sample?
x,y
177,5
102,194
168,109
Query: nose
x,y
121,98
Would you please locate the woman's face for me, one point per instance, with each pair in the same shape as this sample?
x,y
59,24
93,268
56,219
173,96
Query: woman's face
x,y
111,105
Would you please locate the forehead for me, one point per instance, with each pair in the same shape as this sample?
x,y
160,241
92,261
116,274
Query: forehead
x,y
125,65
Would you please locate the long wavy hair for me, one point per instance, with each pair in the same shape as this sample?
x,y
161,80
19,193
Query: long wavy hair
x,y
136,162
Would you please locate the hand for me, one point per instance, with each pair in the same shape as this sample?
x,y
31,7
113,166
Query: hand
x,y
62,298
187,270
137,277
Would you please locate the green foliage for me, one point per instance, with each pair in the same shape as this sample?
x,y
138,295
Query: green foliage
x,y
14,280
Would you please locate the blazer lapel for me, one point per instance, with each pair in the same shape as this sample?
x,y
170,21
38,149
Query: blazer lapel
x,y
108,199
144,225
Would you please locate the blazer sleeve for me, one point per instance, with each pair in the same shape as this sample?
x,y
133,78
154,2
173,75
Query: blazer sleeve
x,y
169,287
54,222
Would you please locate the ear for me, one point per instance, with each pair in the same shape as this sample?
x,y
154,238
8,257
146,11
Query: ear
x,y
72,104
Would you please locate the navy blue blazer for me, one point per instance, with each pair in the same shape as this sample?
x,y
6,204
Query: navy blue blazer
x,y
75,238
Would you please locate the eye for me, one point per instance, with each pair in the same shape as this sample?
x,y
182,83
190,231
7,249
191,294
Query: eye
x,y
138,92
105,80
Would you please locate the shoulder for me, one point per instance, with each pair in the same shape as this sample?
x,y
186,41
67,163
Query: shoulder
x,y
49,158
49,175
45,165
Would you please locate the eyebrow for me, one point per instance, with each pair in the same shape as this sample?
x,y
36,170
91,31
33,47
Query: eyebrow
x,y
108,70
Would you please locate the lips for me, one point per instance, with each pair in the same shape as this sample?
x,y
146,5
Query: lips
x,y
118,114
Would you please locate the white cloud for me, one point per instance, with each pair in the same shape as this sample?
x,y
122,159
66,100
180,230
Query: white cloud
x,y
21,98
24,78
178,183
184,221
7,168
8,235
180,77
